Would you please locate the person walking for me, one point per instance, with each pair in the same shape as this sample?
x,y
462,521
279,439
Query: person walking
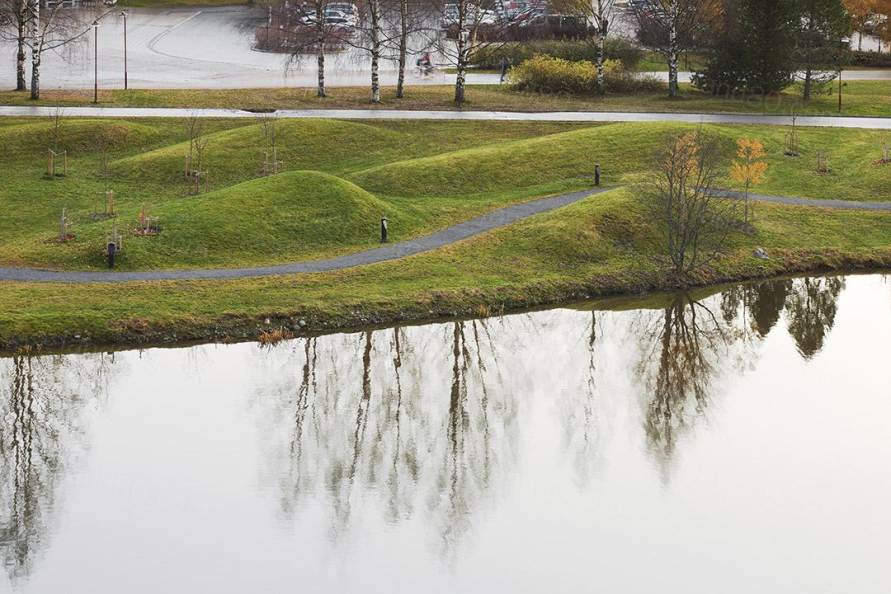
x,y
505,64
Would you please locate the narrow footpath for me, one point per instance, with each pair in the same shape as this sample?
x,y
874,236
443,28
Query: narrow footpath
x,y
406,114
482,224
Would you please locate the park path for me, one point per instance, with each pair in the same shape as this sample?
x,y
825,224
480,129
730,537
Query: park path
x,y
405,114
450,235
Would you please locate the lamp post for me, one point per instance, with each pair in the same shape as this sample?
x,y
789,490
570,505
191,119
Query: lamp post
x,y
844,45
124,15
95,61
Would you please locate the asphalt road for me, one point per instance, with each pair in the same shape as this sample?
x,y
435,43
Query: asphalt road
x,y
211,47
488,222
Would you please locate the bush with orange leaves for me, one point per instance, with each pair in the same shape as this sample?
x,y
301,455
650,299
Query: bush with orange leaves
x,y
749,169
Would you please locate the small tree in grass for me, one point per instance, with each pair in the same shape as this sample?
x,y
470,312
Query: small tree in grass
x,y
748,170
195,130
792,138
271,162
681,197
823,162
886,152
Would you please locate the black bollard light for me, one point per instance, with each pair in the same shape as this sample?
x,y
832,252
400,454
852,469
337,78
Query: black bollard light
x,y
597,174
111,249
384,230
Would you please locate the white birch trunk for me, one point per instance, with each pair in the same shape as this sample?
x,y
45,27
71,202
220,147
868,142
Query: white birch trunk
x,y
374,12
403,48
673,53
21,37
36,47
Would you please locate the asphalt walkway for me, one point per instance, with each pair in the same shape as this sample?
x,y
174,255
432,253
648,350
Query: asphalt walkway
x,y
493,220
404,114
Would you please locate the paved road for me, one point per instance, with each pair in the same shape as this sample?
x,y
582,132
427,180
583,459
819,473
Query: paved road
x,y
494,220
404,114
211,47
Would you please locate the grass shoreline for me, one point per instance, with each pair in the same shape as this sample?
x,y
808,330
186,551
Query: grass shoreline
x,y
421,176
447,305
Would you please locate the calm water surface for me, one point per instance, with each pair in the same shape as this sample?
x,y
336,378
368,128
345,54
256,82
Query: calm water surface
x,y
733,442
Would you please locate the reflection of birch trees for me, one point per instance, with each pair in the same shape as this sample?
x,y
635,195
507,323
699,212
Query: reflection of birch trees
x,y
423,420
579,408
43,405
405,416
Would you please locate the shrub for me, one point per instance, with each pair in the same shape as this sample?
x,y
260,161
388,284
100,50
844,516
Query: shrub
x,y
871,59
544,74
574,51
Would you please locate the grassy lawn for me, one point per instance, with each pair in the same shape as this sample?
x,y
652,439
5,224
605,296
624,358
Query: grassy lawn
x,y
329,197
861,98
340,177
601,245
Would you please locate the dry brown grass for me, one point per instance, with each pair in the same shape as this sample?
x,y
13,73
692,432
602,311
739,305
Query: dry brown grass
x,y
272,337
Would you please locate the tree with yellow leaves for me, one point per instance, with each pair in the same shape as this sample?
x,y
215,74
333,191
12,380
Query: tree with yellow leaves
x,y
748,169
866,12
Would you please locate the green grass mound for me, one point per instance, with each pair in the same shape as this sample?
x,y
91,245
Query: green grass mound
x,y
78,137
568,156
626,151
238,154
291,216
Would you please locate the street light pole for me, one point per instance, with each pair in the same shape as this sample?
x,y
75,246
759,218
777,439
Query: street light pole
x,y
124,14
843,47
839,89
95,61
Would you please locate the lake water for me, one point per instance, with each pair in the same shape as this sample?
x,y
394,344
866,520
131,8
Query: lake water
x,y
729,442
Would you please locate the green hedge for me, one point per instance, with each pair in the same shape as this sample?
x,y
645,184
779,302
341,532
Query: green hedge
x,y
544,74
871,59
574,51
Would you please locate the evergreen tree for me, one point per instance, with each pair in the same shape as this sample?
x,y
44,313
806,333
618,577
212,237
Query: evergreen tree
x,y
819,47
756,53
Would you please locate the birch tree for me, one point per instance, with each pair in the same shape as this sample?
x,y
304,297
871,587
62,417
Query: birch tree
x,y
50,29
599,13
675,26
402,19
370,37
14,15
302,30
466,28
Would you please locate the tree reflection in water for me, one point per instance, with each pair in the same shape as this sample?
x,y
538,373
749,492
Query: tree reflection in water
x,y
761,304
405,415
811,305
579,405
422,420
687,345
681,347
43,421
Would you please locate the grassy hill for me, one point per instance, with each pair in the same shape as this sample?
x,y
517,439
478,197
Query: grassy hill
x,y
340,177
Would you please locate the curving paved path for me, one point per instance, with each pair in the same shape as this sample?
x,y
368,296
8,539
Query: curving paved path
x,y
493,220
407,114
796,201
